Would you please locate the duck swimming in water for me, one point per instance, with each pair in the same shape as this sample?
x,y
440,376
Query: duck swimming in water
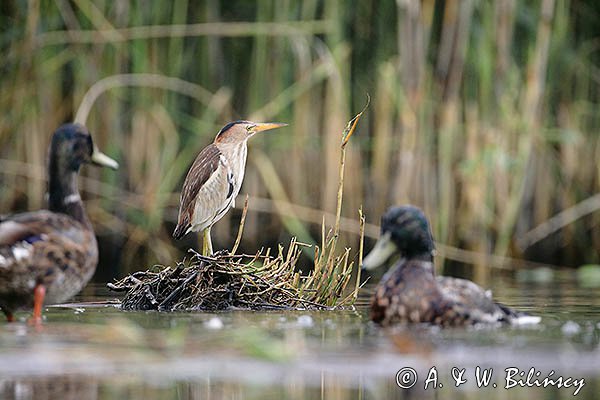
x,y
48,256
410,292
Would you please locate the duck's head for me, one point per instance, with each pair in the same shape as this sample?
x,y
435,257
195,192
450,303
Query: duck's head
x,y
72,146
405,231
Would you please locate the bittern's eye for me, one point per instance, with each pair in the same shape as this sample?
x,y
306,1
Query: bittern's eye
x,y
249,128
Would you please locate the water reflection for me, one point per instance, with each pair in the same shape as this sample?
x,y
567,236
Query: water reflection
x,y
82,387
95,351
50,387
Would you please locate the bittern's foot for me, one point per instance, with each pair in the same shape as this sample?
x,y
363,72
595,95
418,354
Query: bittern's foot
x,y
38,302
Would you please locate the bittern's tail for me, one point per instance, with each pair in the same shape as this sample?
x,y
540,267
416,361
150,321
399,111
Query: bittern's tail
x,y
180,231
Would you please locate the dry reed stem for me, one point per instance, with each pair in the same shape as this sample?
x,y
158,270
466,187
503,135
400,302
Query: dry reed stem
x,y
559,221
140,80
361,219
346,135
534,91
238,238
221,29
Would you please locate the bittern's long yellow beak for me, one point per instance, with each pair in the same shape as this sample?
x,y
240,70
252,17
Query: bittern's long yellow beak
x,y
265,126
103,160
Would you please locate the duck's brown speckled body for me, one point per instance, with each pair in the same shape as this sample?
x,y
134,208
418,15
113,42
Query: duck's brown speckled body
x,y
411,293
44,248
52,251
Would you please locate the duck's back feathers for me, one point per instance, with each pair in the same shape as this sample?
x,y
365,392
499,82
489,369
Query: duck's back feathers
x,y
483,309
44,247
470,296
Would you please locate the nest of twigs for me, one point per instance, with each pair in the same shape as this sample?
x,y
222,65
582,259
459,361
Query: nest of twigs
x,y
226,281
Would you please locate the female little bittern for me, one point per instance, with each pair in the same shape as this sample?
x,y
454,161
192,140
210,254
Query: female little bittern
x,y
215,179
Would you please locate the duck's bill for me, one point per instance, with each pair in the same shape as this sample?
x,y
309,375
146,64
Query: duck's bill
x,y
267,126
383,250
103,160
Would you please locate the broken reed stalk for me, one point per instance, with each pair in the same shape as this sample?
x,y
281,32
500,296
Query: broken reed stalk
x,y
332,272
348,132
361,218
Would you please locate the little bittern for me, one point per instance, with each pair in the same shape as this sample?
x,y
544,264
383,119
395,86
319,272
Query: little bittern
x,y
215,179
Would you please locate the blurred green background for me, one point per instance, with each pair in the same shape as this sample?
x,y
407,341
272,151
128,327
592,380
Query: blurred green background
x,y
483,113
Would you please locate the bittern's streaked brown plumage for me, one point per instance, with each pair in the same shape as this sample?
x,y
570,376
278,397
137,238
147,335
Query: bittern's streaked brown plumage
x,y
215,179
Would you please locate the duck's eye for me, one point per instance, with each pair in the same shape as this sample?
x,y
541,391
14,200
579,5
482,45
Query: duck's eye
x,y
76,148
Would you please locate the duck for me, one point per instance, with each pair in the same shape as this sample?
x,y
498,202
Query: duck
x,y
410,292
48,256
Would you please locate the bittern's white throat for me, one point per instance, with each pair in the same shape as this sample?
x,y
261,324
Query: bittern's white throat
x,y
215,178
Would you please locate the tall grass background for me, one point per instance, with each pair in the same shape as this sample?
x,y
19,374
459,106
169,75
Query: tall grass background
x,y
485,114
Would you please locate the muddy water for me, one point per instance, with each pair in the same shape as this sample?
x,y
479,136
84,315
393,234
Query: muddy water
x,y
92,350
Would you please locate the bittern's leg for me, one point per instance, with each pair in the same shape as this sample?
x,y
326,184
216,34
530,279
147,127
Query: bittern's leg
x,y
38,301
207,249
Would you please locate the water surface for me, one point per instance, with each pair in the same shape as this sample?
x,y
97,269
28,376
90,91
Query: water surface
x,y
92,350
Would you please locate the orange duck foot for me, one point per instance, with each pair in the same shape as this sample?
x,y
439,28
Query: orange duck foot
x,y
9,316
38,301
